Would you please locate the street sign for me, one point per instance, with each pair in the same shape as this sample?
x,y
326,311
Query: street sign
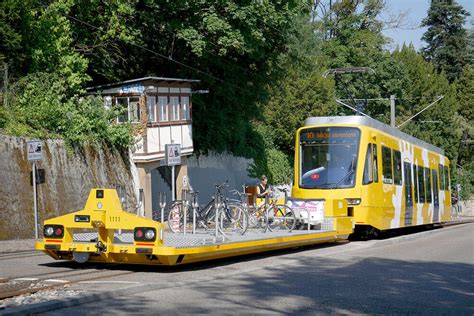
x,y
34,150
173,154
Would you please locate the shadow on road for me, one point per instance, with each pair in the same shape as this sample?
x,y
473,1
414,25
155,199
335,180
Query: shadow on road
x,y
317,285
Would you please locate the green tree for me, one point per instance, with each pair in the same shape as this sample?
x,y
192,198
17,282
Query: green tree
x,y
446,37
440,125
357,41
233,49
465,161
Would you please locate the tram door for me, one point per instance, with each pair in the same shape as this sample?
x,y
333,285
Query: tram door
x,y
408,193
434,176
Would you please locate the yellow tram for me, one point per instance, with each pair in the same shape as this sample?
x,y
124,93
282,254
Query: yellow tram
x,y
389,179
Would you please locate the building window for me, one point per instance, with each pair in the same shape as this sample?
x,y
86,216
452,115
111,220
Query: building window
x,y
387,176
129,109
174,102
163,106
151,108
122,105
397,168
108,102
185,114
134,109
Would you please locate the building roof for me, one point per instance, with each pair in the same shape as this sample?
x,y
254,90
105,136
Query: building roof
x,y
370,122
137,80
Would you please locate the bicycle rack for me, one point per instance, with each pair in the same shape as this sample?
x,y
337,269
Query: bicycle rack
x,y
162,202
195,206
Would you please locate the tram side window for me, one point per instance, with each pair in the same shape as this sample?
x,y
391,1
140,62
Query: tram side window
x,y
441,177
415,176
397,167
421,184
428,185
375,162
447,180
369,166
387,176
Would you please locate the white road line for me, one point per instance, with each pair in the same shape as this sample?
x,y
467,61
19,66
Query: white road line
x,y
98,282
56,281
26,279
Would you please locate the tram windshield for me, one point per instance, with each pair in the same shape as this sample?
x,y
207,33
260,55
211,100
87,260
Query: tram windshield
x,y
328,157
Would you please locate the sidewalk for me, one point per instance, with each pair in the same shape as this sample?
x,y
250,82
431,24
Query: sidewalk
x,y
17,245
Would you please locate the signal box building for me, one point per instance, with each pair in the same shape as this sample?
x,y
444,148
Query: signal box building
x,y
162,110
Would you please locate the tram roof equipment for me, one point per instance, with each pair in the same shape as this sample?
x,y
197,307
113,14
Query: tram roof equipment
x,y
370,122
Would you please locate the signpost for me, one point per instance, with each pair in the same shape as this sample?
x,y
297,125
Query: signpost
x,y
34,151
173,158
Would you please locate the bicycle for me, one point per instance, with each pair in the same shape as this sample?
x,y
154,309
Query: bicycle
x,y
231,217
269,216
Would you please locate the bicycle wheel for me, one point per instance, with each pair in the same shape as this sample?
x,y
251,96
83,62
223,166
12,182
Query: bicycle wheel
x,y
256,217
233,219
176,217
281,217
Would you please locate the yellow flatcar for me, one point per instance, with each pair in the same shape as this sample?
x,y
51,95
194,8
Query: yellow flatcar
x,y
389,179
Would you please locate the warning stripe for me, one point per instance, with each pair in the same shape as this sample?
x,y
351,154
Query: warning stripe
x,y
143,244
53,240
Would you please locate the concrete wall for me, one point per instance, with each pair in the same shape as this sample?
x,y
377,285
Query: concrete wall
x,y
206,170
203,172
70,174
467,208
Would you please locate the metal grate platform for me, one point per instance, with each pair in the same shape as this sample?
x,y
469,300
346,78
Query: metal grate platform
x,y
179,240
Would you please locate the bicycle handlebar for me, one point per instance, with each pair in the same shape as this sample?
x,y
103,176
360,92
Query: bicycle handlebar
x,y
239,193
220,186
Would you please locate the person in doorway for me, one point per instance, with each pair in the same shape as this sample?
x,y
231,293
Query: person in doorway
x,y
263,188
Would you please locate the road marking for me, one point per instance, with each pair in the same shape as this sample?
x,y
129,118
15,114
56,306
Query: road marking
x,y
26,279
56,281
98,282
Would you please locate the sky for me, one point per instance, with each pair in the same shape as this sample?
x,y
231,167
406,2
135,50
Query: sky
x,y
416,10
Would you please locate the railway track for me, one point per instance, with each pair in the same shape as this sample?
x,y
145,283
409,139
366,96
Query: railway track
x,y
19,255
28,285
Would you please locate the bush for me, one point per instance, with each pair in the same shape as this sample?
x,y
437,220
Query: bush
x,y
40,107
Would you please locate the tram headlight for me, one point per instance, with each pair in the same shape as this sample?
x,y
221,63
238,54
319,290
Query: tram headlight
x,y
53,231
48,231
139,234
144,234
353,201
150,234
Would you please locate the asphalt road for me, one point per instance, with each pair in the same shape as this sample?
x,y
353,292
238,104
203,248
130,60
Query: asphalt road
x,y
425,273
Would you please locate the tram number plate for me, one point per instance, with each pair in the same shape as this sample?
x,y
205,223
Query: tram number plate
x,y
114,219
